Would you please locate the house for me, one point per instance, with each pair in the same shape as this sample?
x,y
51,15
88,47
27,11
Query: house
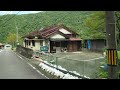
x,y
96,45
58,38
1,46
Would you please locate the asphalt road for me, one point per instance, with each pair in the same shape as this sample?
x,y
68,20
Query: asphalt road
x,y
14,67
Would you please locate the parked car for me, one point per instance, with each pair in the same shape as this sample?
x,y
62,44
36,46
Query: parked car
x,y
8,46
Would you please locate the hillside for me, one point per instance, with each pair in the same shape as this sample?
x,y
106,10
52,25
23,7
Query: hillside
x,y
30,22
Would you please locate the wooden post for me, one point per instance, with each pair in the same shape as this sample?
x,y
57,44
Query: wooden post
x,y
111,45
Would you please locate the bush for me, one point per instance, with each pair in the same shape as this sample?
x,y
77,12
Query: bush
x,y
102,73
118,53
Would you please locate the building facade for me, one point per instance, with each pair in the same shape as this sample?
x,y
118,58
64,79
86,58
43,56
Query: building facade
x,y
58,38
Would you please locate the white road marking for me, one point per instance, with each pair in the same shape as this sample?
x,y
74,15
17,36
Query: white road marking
x,y
41,74
31,65
37,70
0,51
20,57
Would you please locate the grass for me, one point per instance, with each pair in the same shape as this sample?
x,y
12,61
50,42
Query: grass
x,y
118,54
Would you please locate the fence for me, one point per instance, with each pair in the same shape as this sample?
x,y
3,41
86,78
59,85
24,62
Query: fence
x,y
89,68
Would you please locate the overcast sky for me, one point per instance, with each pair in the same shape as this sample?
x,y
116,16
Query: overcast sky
x,y
15,12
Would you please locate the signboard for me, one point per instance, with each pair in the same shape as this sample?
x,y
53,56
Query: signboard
x,y
44,48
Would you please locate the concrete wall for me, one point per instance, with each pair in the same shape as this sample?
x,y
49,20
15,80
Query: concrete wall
x,y
24,51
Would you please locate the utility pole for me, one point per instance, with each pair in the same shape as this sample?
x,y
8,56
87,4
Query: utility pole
x,y
16,34
111,44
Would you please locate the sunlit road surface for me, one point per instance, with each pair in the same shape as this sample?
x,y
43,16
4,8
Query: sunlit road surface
x,y
14,67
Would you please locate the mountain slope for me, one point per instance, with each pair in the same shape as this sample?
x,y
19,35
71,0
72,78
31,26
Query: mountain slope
x,y
30,22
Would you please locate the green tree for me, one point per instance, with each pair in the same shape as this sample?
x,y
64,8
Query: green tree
x,y
11,39
117,14
95,25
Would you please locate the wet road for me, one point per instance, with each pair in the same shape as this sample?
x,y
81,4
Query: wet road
x,y
14,67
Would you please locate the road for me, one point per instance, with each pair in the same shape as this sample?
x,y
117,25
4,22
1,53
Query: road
x,y
14,67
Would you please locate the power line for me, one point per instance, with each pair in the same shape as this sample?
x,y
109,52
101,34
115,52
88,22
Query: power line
x,y
9,19
32,25
5,16
6,13
24,25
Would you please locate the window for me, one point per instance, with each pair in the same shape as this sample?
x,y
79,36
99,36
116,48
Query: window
x,y
7,46
33,43
46,42
29,43
41,42
26,42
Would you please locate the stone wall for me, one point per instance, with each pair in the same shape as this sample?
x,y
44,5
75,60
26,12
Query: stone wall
x,y
24,51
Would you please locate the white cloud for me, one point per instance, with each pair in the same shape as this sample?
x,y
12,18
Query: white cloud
x,y
6,12
14,12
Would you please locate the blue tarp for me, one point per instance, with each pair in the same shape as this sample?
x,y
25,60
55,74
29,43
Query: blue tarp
x,y
89,44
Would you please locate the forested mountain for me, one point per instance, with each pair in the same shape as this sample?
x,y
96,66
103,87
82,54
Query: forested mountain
x,y
83,22
30,22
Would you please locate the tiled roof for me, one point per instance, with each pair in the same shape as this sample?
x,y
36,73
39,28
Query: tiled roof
x,y
46,32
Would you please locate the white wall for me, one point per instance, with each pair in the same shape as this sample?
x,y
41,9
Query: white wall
x,y
44,43
23,43
57,36
49,46
37,45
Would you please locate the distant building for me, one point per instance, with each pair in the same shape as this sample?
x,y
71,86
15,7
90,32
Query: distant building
x,y
96,45
58,38
1,46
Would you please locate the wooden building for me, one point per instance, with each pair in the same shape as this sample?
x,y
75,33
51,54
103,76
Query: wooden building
x,y
96,45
